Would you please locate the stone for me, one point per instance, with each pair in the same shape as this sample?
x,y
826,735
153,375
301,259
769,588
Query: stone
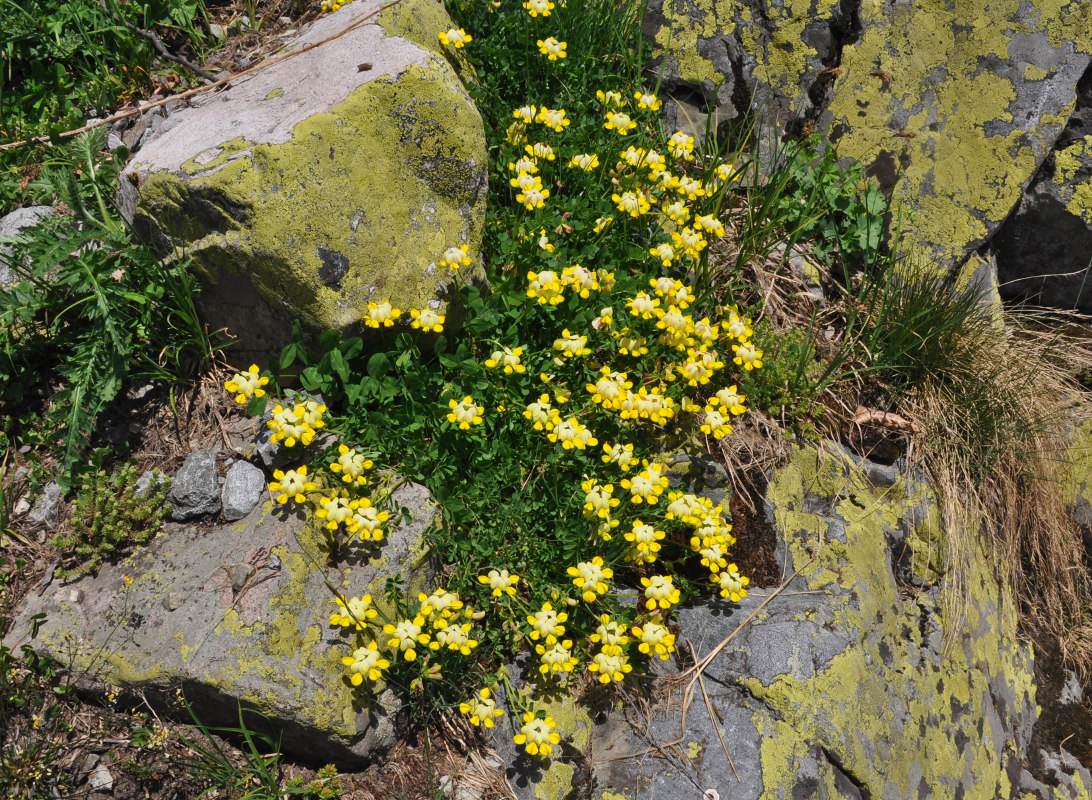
x,y
310,188
951,108
1042,251
13,224
101,780
238,627
144,482
834,688
195,490
243,487
46,513
1071,690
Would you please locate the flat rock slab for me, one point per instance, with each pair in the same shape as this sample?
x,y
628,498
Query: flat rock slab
x,y
237,614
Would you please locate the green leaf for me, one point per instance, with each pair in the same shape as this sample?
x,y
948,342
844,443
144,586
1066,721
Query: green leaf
x,y
378,365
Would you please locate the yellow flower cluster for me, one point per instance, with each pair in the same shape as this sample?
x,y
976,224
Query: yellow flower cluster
x,y
296,424
245,385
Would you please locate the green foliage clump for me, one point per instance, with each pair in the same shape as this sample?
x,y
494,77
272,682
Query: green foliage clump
x,y
110,515
65,60
325,786
831,207
34,698
90,305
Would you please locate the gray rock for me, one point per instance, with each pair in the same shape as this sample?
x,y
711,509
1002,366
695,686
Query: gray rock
x,y
1071,690
46,513
144,482
211,610
101,780
243,487
355,159
195,490
12,224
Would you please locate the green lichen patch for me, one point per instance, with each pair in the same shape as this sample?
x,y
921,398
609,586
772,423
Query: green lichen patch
x,y
896,692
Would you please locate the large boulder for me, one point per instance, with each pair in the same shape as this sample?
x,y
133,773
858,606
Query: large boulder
x,y
952,107
238,615
1043,248
322,182
853,682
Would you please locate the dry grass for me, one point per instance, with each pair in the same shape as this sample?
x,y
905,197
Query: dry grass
x,y
996,435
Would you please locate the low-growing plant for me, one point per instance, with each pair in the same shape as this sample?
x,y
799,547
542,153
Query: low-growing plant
x,y
90,306
109,516
34,696
546,425
324,786
257,777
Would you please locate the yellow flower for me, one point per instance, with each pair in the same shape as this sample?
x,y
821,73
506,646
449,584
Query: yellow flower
x,y
523,165
739,328
592,577
570,345
335,510
680,144
688,187
584,161
619,122
688,241
482,710
609,98
552,48
440,602
731,400
533,197
558,657
500,582
633,203
381,315
290,425
731,583
537,735
245,385
664,252
365,661
508,358
426,319
660,591
455,257
291,485
545,286
544,241
570,433
547,623
646,100
747,356
366,520
525,114
655,639
611,663
620,454
598,500
642,305
355,611
716,424
465,413
406,635
646,541
456,37
646,486
552,118
610,633
352,466
710,224
540,150
453,636
602,223
536,7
